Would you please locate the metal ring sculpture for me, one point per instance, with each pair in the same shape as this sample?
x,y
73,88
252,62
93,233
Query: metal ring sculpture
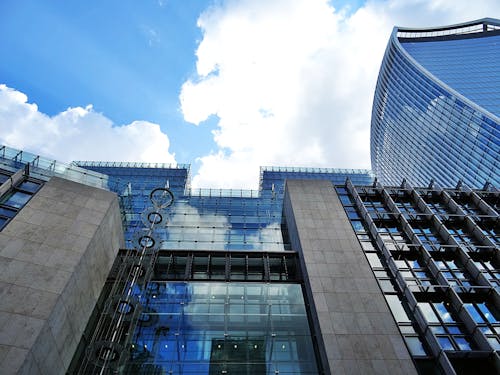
x,y
124,309
161,197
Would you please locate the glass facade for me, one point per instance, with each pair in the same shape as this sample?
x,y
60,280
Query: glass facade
x,y
437,267
217,327
207,307
214,289
42,168
208,282
211,219
436,106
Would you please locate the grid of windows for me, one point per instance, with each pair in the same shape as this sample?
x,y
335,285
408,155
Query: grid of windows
x,y
397,242
410,238
212,219
262,326
427,234
463,236
487,317
448,329
458,63
454,272
435,203
407,207
413,270
488,265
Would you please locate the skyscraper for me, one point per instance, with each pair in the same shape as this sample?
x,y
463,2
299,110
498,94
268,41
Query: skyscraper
x,y
437,105
329,273
123,268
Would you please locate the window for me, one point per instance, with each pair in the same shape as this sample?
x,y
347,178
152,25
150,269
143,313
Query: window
x,y
455,274
14,199
414,272
490,270
490,229
468,207
394,238
375,206
405,204
487,318
449,332
4,177
434,202
427,235
462,236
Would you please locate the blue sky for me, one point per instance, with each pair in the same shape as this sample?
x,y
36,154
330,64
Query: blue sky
x,y
224,85
128,61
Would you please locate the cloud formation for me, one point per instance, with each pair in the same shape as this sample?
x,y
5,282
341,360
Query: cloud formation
x,y
77,133
292,81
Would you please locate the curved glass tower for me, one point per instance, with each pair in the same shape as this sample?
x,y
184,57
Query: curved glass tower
x,y
437,105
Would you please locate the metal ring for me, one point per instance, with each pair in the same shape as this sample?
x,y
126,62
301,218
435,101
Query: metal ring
x,y
161,197
106,354
126,308
156,216
146,241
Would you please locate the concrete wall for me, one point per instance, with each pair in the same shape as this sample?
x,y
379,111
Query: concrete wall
x,y
54,258
350,314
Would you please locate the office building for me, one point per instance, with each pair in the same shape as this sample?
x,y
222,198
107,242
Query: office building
x,y
317,275
437,105
123,268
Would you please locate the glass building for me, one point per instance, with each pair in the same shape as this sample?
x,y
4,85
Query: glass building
x,y
437,105
123,268
320,271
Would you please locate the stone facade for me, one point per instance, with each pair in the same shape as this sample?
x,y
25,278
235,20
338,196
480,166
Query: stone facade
x,y
356,331
54,258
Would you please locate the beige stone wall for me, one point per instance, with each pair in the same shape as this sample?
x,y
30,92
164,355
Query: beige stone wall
x,y
54,258
352,318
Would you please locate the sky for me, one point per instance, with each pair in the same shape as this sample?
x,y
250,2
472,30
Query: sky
x,y
224,85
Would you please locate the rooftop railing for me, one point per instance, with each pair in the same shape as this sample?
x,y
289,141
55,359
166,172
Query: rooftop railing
x,y
314,170
44,168
224,193
126,164
472,27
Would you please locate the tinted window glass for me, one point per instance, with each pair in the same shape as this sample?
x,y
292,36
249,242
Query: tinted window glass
x,y
29,186
16,199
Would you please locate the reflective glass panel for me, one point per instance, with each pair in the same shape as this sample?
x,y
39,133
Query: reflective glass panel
x,y
214,328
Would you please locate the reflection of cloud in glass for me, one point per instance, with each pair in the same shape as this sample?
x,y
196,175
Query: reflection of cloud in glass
x,y
266,238
188,229
432,125
190,331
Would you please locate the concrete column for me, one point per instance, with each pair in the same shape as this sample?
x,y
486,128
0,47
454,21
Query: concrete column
x,y
355,329
55,256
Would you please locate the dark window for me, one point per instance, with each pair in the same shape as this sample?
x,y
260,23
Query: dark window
x,y
15,198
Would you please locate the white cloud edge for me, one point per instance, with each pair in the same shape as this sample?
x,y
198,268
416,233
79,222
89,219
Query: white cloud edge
x,y
324,74
78,133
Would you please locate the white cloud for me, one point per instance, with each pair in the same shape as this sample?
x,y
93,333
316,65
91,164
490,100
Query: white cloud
x,y
77,133
292,81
